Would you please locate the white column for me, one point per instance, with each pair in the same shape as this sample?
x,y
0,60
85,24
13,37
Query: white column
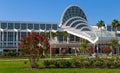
x,y
59,51
2,40
6,38
75,51
0,37
13,38
17,41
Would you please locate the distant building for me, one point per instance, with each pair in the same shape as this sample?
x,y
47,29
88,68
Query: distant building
x,y
73,20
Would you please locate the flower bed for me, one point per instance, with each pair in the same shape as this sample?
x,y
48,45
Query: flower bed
x,y
83,63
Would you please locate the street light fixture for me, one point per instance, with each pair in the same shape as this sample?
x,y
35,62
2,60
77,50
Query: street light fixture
x,y
50,45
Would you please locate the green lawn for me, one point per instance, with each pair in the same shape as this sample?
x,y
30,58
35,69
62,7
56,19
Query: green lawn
x,y
19,67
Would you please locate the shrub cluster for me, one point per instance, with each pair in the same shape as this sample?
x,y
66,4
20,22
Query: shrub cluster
x,y
11,53
84,63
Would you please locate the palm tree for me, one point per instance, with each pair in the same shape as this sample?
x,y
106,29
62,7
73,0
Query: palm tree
x,y
83,46
66,35
58,34
51,34
100,24
115,24
114,44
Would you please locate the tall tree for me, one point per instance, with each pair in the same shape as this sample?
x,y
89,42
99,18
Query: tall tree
x,y
34,46
83,45
100,24
115,24
58,34
66,35
114,44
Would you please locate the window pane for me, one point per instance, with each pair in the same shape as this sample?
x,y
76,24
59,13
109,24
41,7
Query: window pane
x,y
3,25
23,26
42,26
10,36
23,34
54,26
10,25
36,27
17,25
48,26
10,44
5,36
30,26
19,36
118,28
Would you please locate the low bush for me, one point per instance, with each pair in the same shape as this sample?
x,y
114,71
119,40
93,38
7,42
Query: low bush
x,y
84,63
47,63
11,53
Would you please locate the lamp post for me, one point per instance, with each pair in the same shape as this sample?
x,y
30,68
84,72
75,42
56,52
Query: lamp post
x,y
50,45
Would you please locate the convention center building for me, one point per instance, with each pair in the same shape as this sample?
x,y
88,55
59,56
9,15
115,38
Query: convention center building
x,y
73,20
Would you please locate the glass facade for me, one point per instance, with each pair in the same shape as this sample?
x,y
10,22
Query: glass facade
x,y
73,11
109,28
80,26
76,23
71,20
11,38
86,29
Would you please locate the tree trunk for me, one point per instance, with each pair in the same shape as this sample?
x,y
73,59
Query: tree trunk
x,y
67,39
116,33
34,63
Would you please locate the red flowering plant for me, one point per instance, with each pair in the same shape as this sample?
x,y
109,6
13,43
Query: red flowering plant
x,y
107,49
90,49
53,50
34,46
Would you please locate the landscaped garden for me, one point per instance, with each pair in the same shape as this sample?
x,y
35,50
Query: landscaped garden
x,y
23,66
34,46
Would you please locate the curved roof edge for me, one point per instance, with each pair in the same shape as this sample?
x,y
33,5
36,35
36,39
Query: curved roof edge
x,y
93,42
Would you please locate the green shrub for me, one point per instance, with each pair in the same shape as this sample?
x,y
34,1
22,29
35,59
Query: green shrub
x,y
76,63
58,63
11,53
67,63
84,63
47,63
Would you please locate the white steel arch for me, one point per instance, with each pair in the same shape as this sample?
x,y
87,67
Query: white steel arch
x,y
82,20
79,25
77,21
71,19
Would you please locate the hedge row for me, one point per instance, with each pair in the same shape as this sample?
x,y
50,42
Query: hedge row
x,y
84,63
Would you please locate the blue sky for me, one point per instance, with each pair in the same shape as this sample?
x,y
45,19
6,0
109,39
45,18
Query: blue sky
x,y
51,10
